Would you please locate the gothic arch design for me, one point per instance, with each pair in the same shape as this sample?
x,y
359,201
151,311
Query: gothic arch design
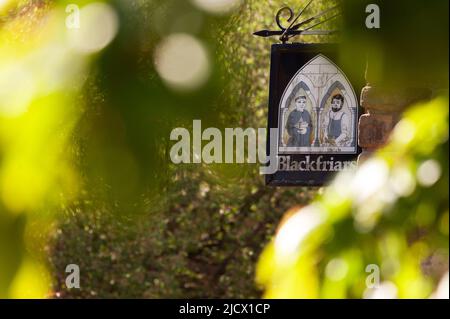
x,y
319,78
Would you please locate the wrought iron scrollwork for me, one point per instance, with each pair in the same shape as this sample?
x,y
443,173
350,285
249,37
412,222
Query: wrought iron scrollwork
x,y
293,30
279,16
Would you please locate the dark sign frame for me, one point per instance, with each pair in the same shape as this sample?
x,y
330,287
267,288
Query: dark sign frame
x,y
286,61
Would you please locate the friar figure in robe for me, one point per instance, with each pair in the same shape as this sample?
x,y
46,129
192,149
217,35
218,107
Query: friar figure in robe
x,y
299,124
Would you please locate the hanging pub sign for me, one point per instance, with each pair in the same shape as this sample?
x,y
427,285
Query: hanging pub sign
x,y
314,108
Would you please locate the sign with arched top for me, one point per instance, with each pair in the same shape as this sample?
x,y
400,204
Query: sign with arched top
x,y
314,107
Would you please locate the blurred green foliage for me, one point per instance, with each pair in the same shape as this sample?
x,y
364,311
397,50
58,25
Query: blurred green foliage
x,y
392,212
85,174
410,49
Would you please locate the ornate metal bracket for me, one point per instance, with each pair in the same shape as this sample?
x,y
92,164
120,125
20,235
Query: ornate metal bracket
x,y
293,30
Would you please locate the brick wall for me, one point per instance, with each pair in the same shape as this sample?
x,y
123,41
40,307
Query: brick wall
x,y
383,108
